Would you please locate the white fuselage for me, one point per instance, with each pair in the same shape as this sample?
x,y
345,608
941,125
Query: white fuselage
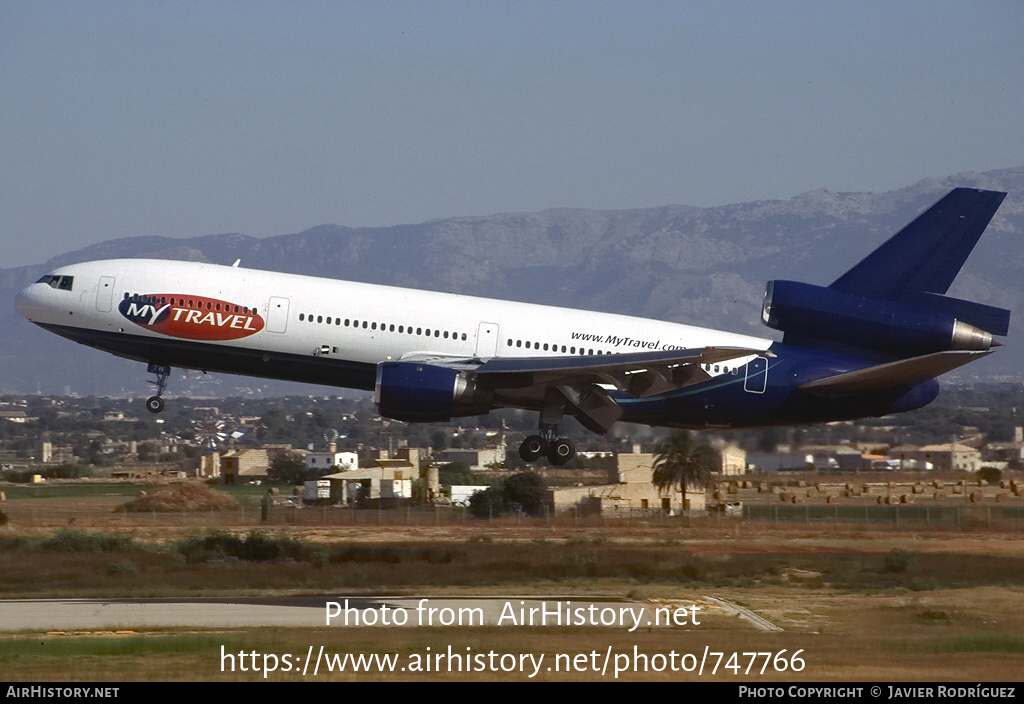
x,y
361,323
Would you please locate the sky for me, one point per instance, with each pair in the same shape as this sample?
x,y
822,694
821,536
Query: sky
x,y
180,118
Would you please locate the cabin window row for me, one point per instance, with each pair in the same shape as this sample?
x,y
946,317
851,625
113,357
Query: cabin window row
x,y
383,327
189,303
720,368
545,347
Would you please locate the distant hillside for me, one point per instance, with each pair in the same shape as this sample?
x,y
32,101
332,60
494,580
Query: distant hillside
x,y
705,266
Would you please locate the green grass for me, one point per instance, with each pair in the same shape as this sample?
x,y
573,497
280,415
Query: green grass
x,y
983,643
73,491
134,645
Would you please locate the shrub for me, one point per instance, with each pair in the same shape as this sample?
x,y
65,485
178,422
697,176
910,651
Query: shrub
x,y
256,547
487,503
122,567
991,475
67,470
898,561
527,490
456,473
288,469
365,553
84,541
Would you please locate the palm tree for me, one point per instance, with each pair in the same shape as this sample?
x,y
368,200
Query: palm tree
x,y
683,462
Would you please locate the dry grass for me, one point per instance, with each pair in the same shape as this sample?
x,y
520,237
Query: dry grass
x,y
869,605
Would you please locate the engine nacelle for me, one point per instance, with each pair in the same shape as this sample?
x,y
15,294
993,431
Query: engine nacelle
x,y
426,393
817,313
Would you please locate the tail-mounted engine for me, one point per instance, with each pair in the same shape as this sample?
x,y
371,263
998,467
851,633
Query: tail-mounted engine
x,y
818,316
426,393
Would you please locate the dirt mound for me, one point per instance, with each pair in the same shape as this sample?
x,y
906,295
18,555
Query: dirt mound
x,y
182,497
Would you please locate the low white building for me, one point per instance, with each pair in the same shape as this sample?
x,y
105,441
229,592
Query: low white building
x,y
336,461
477,459
462,493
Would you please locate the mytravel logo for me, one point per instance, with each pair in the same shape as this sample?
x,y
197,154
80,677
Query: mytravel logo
x,y
191,317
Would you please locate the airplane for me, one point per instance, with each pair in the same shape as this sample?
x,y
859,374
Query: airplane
x,y
869,344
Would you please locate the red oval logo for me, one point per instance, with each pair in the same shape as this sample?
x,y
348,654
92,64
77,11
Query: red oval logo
x,y
191,317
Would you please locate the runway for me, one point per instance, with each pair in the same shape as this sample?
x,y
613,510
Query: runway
x,y
45,615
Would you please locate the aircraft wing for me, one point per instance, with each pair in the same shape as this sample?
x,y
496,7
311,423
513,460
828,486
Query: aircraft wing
x,y
904,372
639,374
578,381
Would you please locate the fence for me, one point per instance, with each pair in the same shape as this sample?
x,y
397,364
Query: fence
x,y
861,517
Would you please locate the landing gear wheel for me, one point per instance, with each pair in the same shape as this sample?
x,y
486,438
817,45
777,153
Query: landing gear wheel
x,y
532,448
561,451
154,404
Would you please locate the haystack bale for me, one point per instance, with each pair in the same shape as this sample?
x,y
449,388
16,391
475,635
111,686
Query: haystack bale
x,y
940,494
176,498
977,497
1003,496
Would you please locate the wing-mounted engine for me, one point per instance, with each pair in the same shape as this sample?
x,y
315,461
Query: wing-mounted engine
x,y
427,393
816,316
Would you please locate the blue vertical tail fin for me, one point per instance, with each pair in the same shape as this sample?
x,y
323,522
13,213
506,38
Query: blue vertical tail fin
x,y
917,265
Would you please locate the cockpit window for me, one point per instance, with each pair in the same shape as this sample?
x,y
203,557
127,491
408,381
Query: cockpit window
x,y
64,283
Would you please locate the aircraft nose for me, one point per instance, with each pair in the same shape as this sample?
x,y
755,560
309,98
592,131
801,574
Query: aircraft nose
x,y
28,302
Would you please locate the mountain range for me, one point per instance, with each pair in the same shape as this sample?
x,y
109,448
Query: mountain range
x,y
703,266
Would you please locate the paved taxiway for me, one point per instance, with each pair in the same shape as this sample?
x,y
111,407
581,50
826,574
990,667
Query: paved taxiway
x,y
304,612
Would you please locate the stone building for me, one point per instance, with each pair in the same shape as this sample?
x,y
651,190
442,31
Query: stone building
x,y
630,488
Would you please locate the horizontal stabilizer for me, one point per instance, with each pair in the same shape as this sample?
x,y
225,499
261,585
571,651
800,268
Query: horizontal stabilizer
x,y
988,318
905,372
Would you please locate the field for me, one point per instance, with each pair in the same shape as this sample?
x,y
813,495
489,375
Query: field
x,y
854,601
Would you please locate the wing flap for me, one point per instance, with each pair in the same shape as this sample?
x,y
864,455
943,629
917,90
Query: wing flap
x,y
639,374
904,372
603,363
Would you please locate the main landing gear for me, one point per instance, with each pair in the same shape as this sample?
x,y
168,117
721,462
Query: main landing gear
x,y
155,404
546,443
557,450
